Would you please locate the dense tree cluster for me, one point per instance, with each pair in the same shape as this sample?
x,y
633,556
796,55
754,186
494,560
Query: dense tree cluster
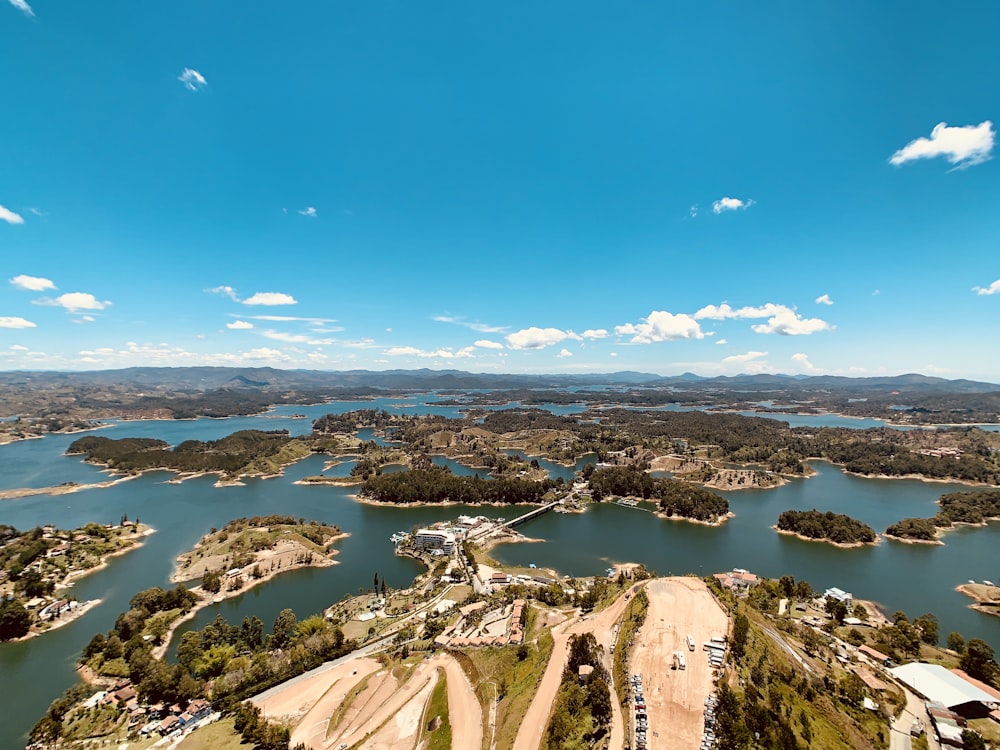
x,y
237,453
675,498
582,710
438,485
350,422
973,506
922,529
226,663
833,527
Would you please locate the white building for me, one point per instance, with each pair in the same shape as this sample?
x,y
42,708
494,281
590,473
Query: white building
x,y
840,595
434,539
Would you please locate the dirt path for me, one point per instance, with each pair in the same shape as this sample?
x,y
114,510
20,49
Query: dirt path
x,y
464,711
389,698
537,716
308,704
675,698
403,725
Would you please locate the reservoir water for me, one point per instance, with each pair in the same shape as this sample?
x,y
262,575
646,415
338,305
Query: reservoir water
x,y
912,578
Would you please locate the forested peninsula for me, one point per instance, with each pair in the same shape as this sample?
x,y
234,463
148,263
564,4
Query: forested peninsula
x,y
835,528
724,451
971,508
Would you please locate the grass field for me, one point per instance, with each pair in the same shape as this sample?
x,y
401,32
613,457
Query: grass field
x,y
438,738
219,735
498,672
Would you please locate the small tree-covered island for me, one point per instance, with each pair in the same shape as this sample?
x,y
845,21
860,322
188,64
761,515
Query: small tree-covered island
x,y
834,528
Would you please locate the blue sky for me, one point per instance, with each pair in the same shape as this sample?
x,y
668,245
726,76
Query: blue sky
x,y
518,187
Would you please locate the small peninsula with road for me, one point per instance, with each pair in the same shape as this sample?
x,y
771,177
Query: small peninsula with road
x,y
38,568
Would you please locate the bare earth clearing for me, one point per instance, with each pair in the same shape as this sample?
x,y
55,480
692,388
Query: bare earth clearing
x,y
385,713
675,698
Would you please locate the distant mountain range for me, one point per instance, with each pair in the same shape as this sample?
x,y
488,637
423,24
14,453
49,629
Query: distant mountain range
x,y
199,379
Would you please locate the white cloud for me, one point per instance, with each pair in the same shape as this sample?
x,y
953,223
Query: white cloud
x,y
993,288
786,322
412,351
364,343
192,79
225,291
748,357
310,211
270,298
782,319
75,301
22,5
9,216
824,299
315,323
80,320
963,146
721,342
295,338
239,325
693,211
595,333
18,348
474,325
10,322
662,326
730,204
487,344
538,338
803,359
32,283
564,353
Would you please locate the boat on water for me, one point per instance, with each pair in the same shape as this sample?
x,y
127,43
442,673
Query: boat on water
x,y
398,537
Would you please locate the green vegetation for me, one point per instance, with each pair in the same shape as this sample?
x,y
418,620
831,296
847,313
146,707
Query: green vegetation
x,y
435,734
582,710
225,663
918,529
971,507
257,731
243,452
775,704
438,485
508,677
829,527
675,498
219,735
239,544
40,561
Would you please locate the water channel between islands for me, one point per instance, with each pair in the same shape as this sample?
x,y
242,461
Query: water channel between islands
x,y
910,577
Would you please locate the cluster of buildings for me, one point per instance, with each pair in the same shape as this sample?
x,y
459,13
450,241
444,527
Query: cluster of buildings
x,y
497,627
738,581
952,698
441,538
156,718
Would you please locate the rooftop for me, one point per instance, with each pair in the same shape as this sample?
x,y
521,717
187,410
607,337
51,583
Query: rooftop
x,y
938,684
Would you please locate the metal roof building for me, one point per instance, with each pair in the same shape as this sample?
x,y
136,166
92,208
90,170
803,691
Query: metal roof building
x,y
940,685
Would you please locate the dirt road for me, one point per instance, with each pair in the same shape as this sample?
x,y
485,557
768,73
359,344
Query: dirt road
x,y
464,711
675,698
537,716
